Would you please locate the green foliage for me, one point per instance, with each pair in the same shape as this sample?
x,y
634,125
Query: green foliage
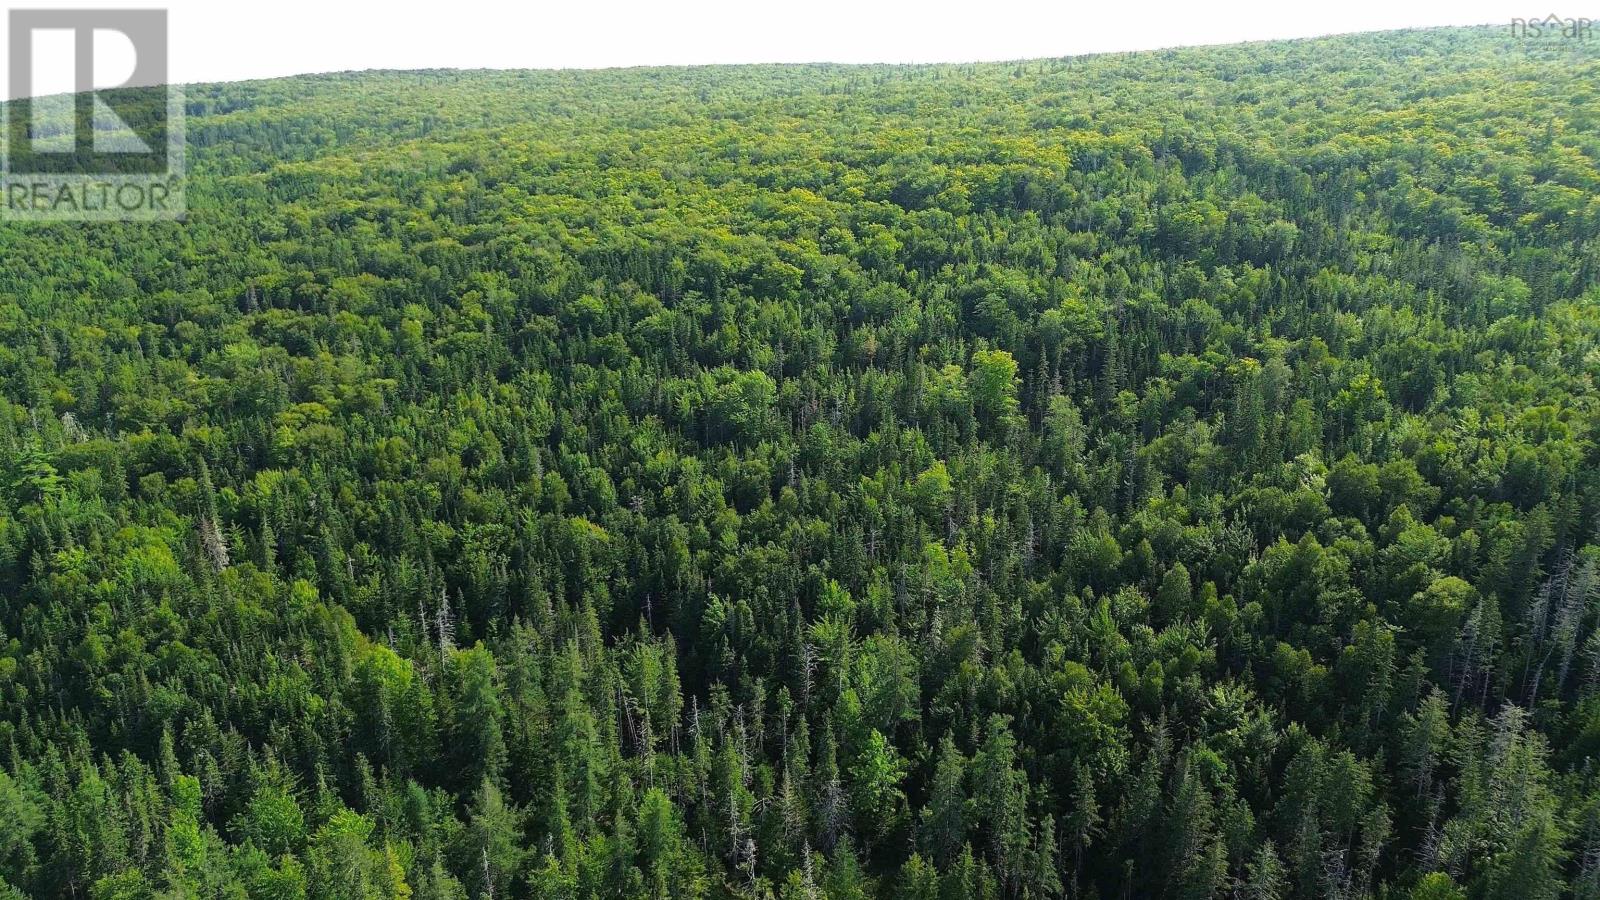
x,y
1160,475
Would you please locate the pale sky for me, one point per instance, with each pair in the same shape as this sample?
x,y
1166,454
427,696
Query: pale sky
x,y
227,40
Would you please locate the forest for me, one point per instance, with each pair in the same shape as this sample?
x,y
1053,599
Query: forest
x,y
1163,475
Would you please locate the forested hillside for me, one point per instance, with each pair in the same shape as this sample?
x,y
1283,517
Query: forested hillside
x,y
1169,475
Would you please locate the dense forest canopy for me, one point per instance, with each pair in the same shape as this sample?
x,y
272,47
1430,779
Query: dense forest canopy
x,y
1163,475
